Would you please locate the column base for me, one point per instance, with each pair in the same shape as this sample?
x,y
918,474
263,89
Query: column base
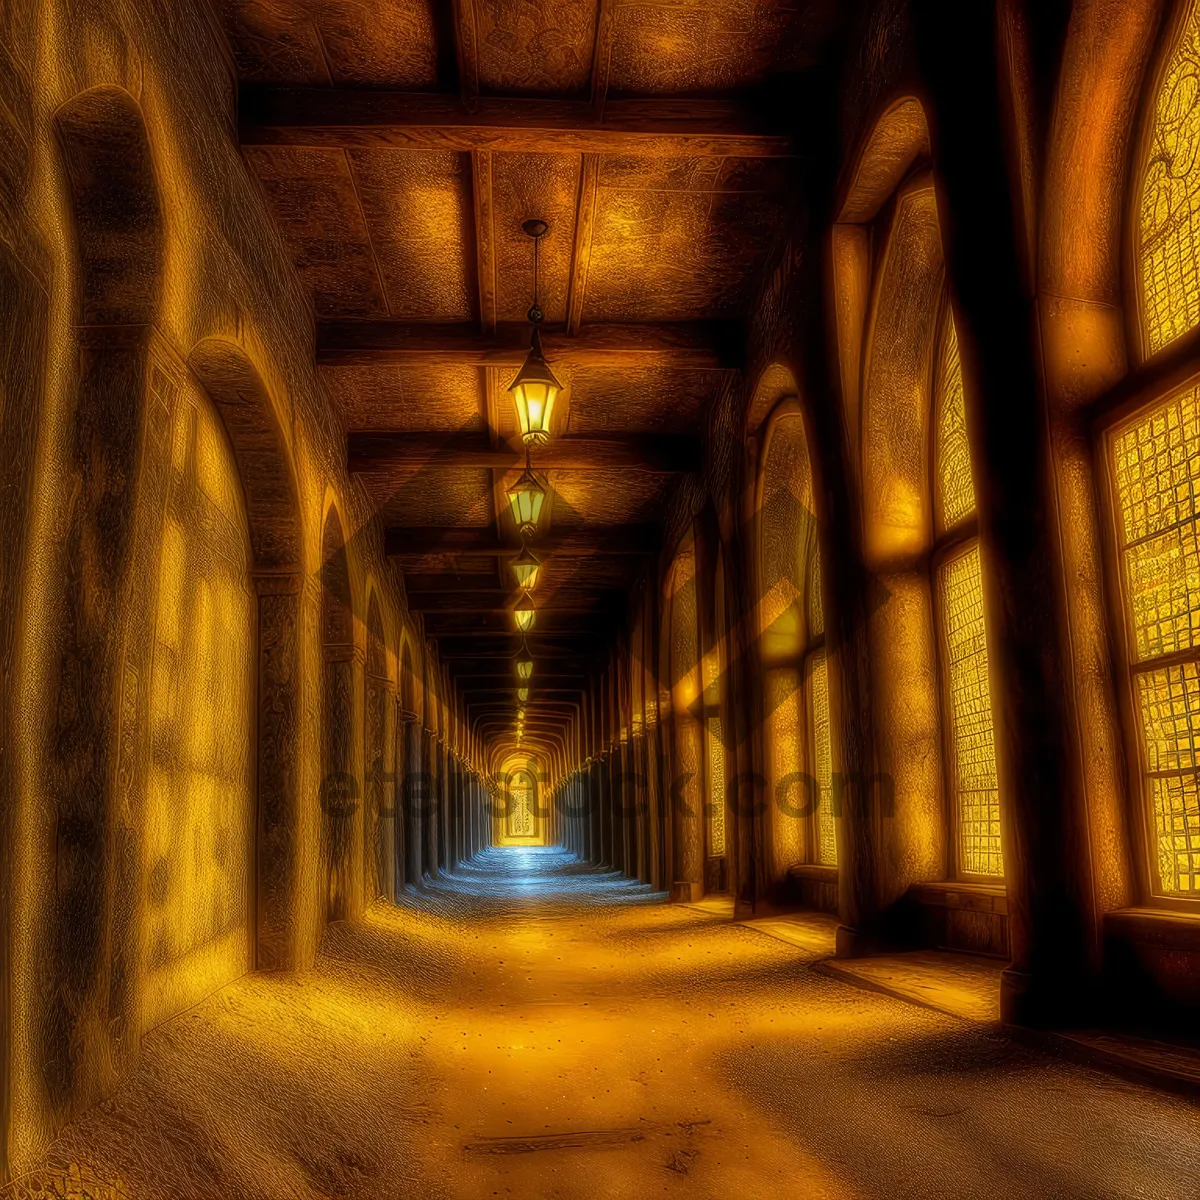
x,y
1024,1000
852,942
686,893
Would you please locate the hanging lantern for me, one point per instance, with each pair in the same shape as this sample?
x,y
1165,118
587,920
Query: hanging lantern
x,y
535,387
527,496
522,694
524,618
524,669
525,567
535,390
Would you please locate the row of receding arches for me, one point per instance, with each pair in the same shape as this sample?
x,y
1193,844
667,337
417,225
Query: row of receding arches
x,y
981,731
229,732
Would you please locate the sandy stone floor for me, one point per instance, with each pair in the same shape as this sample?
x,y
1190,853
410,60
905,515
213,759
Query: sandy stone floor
x,y
531,1029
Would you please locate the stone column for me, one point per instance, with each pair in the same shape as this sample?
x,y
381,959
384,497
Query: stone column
x,y
431,783
411,792
687,809
279,601
1045,837
341,786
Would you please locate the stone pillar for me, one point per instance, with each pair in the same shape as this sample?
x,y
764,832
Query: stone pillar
x,y
411,792
386,838
431,782
687,809
1045,837
278,900
342,785
377,768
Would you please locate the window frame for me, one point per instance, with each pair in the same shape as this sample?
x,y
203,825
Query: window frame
x,y
947,544
789,408
1140,816
1136,331
1151,379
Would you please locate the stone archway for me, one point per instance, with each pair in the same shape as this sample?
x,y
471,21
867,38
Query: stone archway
x,y
233,384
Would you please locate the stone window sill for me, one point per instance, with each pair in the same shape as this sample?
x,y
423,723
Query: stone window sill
x,y
974,897
1168,928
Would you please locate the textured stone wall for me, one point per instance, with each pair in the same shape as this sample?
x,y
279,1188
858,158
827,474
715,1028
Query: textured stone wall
x,y
167,459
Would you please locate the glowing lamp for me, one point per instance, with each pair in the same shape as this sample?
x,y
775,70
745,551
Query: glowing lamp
x,y
534,390
525,567
524,669
522,694
524,618
527,496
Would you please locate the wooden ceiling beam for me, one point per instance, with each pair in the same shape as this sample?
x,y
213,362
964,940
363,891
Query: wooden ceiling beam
x,y
505,650
419,451
687,345
581,252
404,541
482,694
505,600
485,242
361,118
466,50
606,12
567,626
560,677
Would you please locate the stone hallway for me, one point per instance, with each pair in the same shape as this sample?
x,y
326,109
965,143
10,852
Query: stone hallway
x,y
533,1028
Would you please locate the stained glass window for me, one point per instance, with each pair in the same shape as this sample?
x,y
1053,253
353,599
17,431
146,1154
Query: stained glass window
x,y
520,806
1156,473
956,489
1170,207
973,751
822,767
716,788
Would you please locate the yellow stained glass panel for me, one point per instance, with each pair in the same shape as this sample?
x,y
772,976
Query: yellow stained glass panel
x,y
955,485
823,761
1156,469
716,788
1170,205
1169,702
973,747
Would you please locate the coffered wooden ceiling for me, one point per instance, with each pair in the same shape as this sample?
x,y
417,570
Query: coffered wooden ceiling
x,y
401,144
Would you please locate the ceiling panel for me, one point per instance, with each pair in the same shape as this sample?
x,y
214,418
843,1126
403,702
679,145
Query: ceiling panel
x,y
311,194
388,43
661,254
386,396
639,400
420,216
605,497
525,186
707,47
457,496
532,47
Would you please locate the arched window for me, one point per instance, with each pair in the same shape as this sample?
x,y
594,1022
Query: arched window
x,y
1169,235
792,646
1153,471
971,751
930,673
713,667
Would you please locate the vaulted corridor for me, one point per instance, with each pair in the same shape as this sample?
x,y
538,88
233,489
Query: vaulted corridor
x,y
536,1028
